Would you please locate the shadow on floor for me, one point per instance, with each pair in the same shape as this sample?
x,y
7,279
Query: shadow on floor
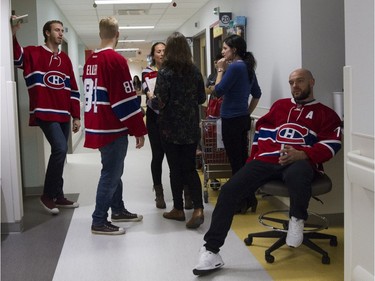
x,y
33,254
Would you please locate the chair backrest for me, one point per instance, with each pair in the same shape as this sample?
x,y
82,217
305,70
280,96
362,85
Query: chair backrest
x,y
322,184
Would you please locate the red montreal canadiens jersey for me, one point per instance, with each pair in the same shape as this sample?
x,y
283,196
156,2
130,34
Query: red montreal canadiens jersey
x,y
50,81
111,108
313,128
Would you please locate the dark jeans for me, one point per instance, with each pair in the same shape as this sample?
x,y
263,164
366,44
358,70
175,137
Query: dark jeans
x,y
109,192
57,135
297,176
156,146
181,161
235,138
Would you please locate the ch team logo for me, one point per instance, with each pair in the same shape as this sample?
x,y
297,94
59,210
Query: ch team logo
x,y
292,134
54,80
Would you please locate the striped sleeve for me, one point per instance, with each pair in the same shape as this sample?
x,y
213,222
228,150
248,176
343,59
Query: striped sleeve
x,y
17,53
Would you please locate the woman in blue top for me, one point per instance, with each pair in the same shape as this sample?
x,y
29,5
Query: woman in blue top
x,y
236,81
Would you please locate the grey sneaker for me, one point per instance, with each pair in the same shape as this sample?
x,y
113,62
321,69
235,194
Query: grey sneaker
x,y
125,215
107,229
294,237
208,262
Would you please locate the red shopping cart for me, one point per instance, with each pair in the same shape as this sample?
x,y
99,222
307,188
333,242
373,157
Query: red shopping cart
x,y
215,162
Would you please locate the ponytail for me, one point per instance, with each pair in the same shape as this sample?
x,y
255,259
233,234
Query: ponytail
x,y
236,41
250,62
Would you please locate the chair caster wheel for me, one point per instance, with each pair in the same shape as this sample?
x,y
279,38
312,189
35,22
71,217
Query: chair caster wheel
x,y
248,241
270,258
333,242
215,185
326,260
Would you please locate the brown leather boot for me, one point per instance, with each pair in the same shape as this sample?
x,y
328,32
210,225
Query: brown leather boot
x,y
187,198
175,214
160,203
197,219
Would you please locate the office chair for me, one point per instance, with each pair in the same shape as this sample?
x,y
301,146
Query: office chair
x,y
321,185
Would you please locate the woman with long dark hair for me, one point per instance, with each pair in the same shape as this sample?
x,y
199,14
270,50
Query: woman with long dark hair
x,y
179,91
138,89
236,81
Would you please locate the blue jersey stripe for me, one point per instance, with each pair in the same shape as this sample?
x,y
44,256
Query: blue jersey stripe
x,y
105,132
126,109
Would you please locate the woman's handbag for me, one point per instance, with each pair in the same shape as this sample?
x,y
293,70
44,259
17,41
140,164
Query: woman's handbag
x,y
213,107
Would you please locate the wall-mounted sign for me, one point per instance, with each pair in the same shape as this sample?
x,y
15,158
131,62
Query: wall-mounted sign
x,y
240,20
224,19
237,26
217,31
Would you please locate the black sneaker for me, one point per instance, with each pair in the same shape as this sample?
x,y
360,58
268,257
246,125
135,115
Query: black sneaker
x,y
125,215
107,229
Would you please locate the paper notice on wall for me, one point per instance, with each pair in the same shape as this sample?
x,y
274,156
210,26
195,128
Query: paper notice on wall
x,y
219,137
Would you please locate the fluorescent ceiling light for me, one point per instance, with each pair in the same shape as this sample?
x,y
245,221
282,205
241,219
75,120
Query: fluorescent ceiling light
x,y
130,40
127,50
102,2
137,27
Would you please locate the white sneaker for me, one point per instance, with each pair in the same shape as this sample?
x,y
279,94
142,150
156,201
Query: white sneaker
x,y
294,237
208,261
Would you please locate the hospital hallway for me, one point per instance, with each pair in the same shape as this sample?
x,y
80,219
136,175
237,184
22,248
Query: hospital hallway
x,y
62,247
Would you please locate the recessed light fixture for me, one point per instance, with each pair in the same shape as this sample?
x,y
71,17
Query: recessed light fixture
x,y
103,2
127,50
137,27
131,40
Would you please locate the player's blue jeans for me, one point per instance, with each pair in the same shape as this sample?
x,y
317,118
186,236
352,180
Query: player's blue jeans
x,y
109,192
57,135
297,176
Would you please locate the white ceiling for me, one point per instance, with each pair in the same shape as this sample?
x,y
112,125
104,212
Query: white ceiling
x,y
166,18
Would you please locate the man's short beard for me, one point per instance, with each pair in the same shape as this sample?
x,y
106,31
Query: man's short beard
x,y
304,95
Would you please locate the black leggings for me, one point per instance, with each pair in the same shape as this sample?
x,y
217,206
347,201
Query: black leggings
x,y
156,146
181,161
235,138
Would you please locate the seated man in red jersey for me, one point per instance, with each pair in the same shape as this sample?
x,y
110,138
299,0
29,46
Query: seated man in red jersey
x,y
291,142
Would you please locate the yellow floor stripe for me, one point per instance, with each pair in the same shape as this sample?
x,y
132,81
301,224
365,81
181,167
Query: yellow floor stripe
x,y
300,264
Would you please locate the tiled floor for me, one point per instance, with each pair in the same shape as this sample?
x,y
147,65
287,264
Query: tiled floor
x,y
154,249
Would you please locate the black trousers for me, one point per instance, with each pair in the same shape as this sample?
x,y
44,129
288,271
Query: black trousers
x,y
156,146
297,176
235,138
181,161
